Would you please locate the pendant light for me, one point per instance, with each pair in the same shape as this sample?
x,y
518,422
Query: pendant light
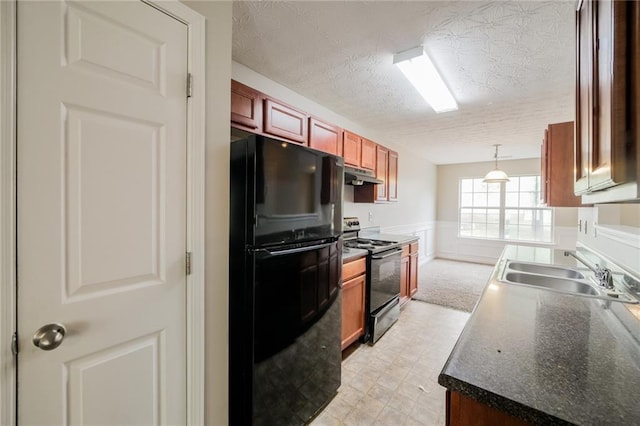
x,y
496,175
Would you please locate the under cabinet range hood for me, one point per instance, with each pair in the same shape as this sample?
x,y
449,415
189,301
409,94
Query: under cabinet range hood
x,y
355,176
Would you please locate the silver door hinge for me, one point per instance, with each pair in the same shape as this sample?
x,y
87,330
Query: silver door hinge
x,y
14,344
189,85
188,263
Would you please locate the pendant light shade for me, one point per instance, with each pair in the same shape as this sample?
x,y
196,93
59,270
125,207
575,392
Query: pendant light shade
x,y
496,175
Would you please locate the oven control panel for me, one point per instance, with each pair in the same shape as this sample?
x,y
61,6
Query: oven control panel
x,y
351,224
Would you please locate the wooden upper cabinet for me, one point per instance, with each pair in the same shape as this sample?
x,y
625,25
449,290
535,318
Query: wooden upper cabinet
x,y
557,166
368,155
605,74
387,171
351,148
544,181
246,107
382,172
325,137
392,176
284,121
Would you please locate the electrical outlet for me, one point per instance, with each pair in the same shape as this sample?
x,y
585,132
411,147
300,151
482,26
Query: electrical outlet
x,y
370,216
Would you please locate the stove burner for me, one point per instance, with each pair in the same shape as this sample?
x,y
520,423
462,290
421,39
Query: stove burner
x,y
367,244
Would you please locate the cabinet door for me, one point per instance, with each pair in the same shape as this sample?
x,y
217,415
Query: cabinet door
x,y
351,148
325,137
392,176
603,81
559,166
464,411
382,173
404,279
246,107
353,310
285,122
413,273
608,150
543,170
584,77
368,155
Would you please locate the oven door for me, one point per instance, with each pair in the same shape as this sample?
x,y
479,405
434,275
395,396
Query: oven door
x,y
385,278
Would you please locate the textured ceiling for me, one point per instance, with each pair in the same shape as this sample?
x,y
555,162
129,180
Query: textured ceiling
x,y
510,66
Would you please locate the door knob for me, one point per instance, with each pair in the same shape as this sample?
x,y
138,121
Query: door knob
x,y
49,337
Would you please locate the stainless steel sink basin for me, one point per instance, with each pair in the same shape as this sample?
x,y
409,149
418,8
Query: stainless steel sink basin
x,y
546,270
560,284
559,278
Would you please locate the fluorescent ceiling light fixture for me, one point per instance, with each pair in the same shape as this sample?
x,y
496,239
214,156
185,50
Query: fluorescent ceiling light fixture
x,y
420,71
496,175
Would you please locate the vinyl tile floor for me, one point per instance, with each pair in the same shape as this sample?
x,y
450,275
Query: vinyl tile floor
x,y
395,382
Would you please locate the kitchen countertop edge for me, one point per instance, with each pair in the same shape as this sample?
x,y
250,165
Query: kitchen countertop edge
x,y
454,377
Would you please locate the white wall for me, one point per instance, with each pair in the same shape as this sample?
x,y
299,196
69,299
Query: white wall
x,y
413,213
218,114
450,246
613,231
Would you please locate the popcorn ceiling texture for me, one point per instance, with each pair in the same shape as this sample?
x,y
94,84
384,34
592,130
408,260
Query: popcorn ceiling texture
x,y
509,64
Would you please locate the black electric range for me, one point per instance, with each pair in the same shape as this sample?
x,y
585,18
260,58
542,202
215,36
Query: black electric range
x,y
383,279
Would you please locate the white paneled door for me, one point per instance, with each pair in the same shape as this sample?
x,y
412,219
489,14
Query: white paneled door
x,y
102,110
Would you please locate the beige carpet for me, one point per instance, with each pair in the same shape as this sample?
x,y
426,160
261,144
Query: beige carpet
x,y
450,283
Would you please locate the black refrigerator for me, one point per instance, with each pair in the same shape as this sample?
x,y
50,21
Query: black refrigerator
x,y
285,267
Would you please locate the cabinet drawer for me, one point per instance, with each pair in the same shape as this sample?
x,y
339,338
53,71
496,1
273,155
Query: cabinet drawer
x,y
414,248
406,250
354,268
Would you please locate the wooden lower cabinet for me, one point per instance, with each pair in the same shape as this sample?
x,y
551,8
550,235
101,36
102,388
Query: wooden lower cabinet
x,y
408,272
413,269
354,280
465,411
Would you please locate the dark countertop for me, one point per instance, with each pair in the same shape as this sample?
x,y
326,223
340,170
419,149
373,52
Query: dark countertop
x,y
547,357
349,254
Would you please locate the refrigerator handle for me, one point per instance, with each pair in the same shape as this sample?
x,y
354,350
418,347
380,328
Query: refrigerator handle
x,y
270,253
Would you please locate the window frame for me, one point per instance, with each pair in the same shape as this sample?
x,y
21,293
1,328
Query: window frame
x,y
502,209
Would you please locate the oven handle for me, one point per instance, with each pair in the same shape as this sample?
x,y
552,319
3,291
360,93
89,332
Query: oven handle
x,y
387,255
269,253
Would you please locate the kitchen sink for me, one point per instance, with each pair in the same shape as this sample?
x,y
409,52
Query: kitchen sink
x,y
561,279
553,271
565,285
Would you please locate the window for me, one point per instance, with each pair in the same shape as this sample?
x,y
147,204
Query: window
x,y
504,211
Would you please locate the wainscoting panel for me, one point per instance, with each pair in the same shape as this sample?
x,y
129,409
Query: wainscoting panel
x,y
450,246
425,231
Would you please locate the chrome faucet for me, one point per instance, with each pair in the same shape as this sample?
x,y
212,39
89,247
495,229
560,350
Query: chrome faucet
x,y
603,275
